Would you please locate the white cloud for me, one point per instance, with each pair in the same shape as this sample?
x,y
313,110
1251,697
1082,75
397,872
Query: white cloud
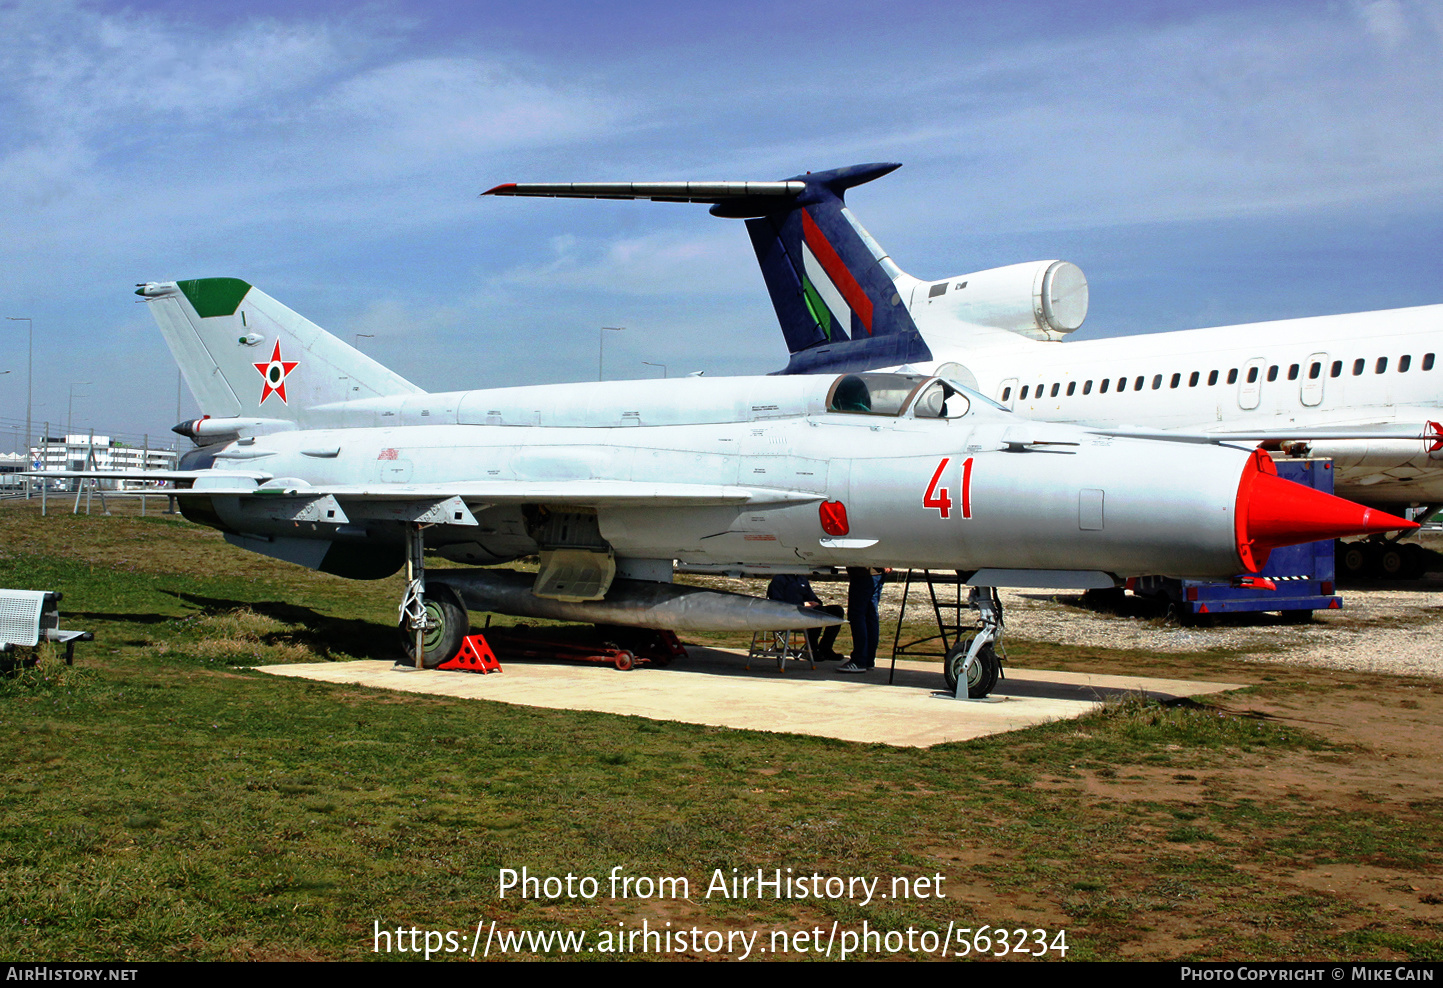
x,y
1385,20
714,259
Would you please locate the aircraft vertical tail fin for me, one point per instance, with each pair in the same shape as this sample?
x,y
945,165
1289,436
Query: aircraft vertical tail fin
x,y
841,302
245,355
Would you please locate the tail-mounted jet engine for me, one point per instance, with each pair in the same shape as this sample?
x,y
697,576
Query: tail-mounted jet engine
x,y
1042,300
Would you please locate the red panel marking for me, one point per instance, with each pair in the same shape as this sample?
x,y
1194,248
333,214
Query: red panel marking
x,y
837,270
935,498
834,517
388,454
1437,431
503,185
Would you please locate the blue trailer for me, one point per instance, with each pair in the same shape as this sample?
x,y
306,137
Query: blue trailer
x,y
1303,574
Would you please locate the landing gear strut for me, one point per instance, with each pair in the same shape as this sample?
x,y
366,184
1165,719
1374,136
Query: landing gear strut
x,y
973,661
433,621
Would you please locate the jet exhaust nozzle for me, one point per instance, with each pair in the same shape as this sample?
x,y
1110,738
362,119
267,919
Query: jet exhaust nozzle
x,y
1272,512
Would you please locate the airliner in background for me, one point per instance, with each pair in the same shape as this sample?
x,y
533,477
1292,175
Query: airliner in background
x,y
1364,388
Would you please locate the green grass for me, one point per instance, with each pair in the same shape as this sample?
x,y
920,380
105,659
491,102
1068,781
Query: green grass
x,y
162,801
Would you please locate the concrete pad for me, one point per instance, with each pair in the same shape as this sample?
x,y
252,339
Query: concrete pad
x,y
714,687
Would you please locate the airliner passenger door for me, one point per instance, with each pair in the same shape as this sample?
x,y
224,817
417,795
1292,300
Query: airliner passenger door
x,y
1007,392
1315,372
1250,385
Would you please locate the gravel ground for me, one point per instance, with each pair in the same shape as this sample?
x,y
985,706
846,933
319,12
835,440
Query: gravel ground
x,y
1382,627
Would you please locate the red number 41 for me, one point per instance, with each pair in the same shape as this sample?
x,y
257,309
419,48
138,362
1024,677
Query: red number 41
x,y
938,497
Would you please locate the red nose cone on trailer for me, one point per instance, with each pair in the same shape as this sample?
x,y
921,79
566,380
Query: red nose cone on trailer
x,y
1272,512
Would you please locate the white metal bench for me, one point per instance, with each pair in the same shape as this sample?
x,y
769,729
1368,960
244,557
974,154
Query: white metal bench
x,y
28,617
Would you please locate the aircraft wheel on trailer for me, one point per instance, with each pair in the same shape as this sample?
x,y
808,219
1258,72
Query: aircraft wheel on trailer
x,y
449,625
624,660
981,678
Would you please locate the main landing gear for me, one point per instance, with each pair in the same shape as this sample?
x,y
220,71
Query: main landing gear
x,y
973,660
433,622
1383,559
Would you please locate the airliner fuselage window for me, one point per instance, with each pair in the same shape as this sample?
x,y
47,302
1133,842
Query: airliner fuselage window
x,y
1273,372
1337,369
1404,362
1358,366
1382,365
1233,376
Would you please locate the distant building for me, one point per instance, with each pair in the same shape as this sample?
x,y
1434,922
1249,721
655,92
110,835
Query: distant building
x,y
10,466
86,452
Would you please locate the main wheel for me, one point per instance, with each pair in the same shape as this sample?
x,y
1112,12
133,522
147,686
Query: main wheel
x,y
448,622
1416,560
981,678
1352,559
1393,562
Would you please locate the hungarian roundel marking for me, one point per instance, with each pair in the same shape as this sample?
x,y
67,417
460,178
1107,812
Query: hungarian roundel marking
x,y
273,372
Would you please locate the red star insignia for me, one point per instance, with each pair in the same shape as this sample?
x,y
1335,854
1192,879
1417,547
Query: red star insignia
x,y
273,372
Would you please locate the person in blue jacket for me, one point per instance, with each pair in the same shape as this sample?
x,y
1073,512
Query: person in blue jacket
x,y
796,589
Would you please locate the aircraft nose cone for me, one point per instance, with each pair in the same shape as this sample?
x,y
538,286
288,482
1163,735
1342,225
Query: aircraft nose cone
x,y
1272,512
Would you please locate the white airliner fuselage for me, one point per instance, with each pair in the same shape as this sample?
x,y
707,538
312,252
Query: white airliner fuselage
x,y
1369,370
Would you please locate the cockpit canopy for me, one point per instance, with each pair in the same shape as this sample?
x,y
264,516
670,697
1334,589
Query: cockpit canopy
x,y
891,394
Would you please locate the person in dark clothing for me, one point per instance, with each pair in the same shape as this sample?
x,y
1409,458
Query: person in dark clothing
x,y
794,589
864,597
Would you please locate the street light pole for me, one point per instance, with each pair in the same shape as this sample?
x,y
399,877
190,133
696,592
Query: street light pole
x,y
70,409
662,366
29,390
601,346
363,336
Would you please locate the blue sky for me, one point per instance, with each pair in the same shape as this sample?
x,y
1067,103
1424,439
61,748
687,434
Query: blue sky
x,y
1204,164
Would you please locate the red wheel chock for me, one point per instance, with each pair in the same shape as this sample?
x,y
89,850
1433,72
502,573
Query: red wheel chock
x,y
475,656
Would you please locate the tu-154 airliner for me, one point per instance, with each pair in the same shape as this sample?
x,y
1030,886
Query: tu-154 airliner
x,y
1365,388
